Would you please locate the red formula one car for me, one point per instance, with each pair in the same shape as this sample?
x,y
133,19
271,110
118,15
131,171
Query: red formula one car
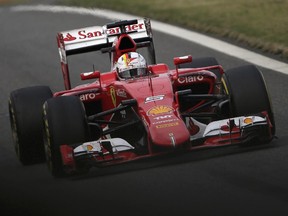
x,y
136,110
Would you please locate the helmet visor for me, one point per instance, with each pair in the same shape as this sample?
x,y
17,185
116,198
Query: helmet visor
x,y
135,72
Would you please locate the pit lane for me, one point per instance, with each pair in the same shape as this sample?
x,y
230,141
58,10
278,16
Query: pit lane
x,y
222,181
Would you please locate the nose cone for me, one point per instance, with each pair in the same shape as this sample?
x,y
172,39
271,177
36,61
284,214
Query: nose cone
x,y
170,134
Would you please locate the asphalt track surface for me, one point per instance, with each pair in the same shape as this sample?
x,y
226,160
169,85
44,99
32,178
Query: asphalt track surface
x,y
230,181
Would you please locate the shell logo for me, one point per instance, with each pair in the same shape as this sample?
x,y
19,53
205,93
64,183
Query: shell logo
x,y
160,110
89,147
248,120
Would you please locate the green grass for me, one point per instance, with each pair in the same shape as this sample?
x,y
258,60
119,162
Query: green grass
x,y
12,2
260,24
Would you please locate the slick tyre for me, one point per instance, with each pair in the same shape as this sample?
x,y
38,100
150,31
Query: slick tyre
x,y
203,62
248,92
65,122
25,112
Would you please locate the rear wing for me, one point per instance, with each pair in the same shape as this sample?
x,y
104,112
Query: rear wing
x,y
101,38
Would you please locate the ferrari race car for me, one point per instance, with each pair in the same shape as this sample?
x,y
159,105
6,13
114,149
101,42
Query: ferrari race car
x,y
127,113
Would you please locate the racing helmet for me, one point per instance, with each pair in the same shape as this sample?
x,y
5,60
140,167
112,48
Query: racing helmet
x,y
131,65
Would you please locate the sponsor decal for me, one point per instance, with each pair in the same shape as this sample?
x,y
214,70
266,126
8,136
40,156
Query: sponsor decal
x,y
154,98
248,120
113,95
165,121
161,109
89,147
123,114
190,79
163,117
86,34
83,34
167,125
88,96
69,37
121,93
128,28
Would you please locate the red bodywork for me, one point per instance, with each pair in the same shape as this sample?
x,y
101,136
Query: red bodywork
x,y
158,103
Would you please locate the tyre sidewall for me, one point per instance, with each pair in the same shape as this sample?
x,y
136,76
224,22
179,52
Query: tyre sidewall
x,y
248,92
25,112
65,123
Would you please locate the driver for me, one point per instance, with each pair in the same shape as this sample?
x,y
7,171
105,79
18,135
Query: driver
x,y
131,65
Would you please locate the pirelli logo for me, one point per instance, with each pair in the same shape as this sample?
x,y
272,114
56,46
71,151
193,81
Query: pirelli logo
x,y
167,125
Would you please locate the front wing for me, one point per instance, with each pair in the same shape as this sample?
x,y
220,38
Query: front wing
x,y
105,152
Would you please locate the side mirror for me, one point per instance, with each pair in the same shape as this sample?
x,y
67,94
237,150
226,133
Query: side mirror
x,y
183,59
90,75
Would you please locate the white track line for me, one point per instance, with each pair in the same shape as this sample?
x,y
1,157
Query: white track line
x,y
194,37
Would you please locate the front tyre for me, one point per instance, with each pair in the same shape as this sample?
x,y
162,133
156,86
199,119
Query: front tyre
x,y
65,122
248,92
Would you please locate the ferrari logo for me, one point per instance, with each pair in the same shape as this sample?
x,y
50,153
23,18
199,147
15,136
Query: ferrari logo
x,y
113,95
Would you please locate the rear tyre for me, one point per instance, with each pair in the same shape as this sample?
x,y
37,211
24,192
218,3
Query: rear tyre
x,y
248,92
25,112
65,122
